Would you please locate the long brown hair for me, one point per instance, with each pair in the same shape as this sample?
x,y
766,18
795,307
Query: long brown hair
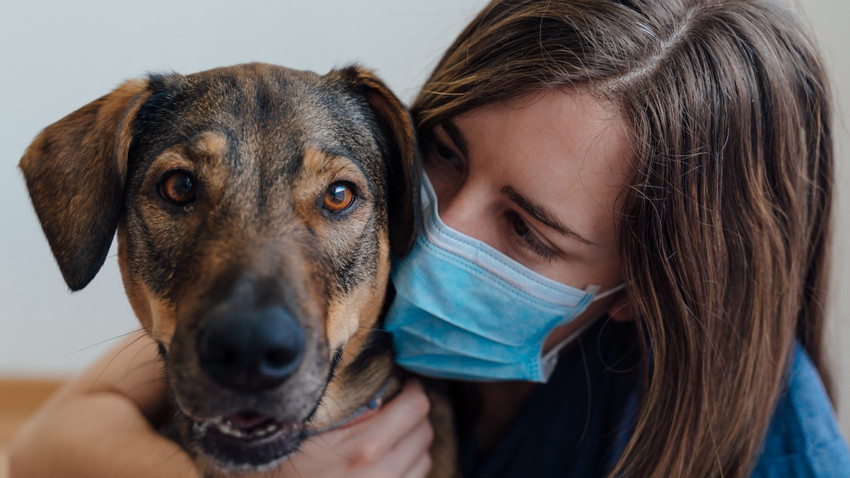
x,y
725,227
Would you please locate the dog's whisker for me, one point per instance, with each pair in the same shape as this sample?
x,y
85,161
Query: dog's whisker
x,y
276,472
115,356
145,383
165,460
87,347
294,469
156,377
169,458
134,365
143,363
320,442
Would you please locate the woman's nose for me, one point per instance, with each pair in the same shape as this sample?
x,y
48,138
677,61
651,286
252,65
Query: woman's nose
x,y
464,209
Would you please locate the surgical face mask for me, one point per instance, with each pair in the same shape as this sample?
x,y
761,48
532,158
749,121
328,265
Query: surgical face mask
x,y
464,310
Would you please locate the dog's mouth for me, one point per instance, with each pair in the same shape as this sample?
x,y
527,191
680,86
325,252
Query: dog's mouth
x,y
247,441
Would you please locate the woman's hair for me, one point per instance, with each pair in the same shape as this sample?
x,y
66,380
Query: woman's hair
x,y
724,232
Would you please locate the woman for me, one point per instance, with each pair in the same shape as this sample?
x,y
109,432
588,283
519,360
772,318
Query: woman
x,y
720,221
681,148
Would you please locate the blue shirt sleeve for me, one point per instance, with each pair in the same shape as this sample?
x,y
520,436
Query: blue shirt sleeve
x,y
803,439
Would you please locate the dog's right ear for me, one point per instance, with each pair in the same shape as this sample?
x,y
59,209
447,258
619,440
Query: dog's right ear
x,y
75,171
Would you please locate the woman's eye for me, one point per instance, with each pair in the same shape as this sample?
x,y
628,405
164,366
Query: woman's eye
x,y
178,187
442,163
444,152
527,238
440,153
338,197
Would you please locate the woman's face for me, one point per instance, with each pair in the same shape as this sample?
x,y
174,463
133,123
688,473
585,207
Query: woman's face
x,y
538,178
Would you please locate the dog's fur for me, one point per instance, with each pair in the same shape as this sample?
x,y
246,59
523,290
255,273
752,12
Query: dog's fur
x,y
249,238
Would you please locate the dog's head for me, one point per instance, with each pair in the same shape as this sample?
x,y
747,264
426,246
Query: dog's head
x,y
256,208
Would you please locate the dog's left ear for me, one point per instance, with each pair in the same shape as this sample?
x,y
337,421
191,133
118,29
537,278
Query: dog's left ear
x,y
75,171
404,170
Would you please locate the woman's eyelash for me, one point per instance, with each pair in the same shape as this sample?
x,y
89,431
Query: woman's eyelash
x,y
444,151
526,238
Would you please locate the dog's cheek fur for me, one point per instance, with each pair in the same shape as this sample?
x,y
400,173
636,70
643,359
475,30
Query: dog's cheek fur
x,y
355,312
157,315
351,324
346,250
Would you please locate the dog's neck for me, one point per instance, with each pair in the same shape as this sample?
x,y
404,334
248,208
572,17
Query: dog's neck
x,y
359,384
372,404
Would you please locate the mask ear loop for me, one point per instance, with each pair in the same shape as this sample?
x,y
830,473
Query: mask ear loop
x,y
611,291
550,358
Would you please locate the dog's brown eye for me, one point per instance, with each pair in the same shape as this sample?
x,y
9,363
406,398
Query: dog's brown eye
x,y
338,197
178,187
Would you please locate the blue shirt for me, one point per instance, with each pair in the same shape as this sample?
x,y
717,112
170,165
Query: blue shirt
x,y
803,439
577,424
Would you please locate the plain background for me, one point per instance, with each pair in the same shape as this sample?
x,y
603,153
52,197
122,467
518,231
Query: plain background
x,y
56,56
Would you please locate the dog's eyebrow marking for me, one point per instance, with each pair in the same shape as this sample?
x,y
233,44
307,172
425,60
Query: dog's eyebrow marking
x,y
320,162
210,143
314,161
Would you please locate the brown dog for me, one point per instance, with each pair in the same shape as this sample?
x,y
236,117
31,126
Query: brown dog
x,y
256,208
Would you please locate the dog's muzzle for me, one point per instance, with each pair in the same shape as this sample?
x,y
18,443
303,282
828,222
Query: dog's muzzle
x,y
248,351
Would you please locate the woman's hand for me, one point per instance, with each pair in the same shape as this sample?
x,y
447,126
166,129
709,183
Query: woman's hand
x,y
391,442
99,425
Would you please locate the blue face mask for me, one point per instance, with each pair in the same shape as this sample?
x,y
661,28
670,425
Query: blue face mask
x,y
464,310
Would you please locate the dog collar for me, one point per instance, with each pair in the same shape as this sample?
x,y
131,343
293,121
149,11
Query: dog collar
x,y
372,404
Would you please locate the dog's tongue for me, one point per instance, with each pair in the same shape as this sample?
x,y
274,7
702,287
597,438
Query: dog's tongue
x,y
247,420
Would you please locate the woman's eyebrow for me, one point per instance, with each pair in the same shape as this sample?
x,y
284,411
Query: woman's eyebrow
x,y
541,214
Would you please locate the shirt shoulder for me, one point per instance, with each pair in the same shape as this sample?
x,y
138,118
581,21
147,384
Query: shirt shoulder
x,y
803,439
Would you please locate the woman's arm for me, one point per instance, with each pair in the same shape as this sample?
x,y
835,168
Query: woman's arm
x,y
99,425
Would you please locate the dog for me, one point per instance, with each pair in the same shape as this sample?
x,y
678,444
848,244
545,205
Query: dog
x,y
256,210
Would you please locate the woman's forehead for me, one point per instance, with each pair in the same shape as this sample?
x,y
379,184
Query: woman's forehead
x,y
564,146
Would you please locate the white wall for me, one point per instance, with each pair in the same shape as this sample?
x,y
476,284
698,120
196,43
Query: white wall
x,y
829,20
58,55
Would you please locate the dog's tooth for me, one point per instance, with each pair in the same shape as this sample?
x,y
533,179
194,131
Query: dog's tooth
x,y
228,430
261,432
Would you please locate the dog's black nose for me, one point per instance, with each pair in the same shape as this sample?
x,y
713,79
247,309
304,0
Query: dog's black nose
x,y
250,350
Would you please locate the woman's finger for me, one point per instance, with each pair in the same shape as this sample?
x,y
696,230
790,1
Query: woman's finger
x,y
412,453
391,441
421,468
370,439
